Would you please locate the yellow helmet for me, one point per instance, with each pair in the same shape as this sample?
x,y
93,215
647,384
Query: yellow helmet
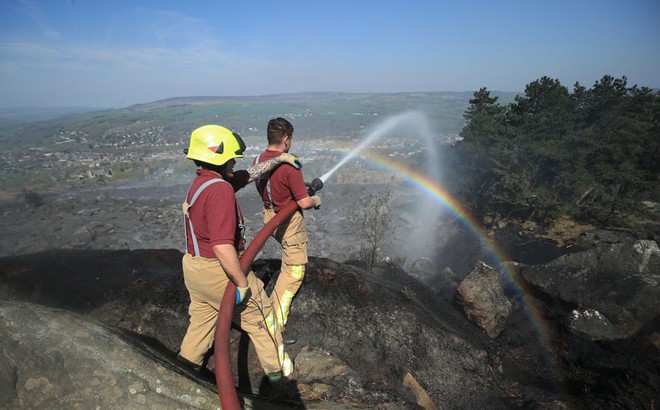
x,y
215,145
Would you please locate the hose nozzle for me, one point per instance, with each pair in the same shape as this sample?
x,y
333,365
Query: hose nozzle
x,y
314,186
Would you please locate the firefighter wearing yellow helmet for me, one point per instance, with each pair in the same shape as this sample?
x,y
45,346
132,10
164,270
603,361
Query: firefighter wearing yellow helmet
x,y
214,233
215,145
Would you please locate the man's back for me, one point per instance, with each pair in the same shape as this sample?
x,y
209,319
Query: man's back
x,y
284,185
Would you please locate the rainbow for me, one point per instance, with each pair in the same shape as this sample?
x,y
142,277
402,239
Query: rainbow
x,y
542,331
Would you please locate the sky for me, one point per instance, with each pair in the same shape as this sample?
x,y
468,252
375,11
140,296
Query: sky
x,y
112,54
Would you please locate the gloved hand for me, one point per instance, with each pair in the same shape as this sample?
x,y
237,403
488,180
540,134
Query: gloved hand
x,y
292,160
317,201
242,294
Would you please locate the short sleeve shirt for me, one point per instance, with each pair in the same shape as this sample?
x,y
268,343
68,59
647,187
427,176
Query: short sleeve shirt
x,y
215,215
286,184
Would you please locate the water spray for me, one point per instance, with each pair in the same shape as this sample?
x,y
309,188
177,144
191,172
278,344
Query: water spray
x,y
382,129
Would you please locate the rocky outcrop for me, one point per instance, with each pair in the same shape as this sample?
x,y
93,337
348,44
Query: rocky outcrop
x,y
53,358
593,325
616,282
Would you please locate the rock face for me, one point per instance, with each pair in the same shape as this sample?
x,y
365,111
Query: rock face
x,y
52,358
482,298
618,280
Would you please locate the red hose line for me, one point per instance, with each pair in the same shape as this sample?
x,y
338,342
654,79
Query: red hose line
x,y
223,374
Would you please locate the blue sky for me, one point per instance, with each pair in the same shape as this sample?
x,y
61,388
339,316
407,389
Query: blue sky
x,y
116,53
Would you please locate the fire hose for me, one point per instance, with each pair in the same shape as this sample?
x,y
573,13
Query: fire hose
x,y
223,373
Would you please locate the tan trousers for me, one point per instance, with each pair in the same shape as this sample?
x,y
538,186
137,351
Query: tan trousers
x,y
206,283
292,235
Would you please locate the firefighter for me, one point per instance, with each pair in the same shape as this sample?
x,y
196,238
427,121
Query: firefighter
x,y
214,240
285,184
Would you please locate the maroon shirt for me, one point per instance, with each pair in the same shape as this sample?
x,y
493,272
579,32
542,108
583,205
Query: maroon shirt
x,y
215,215
286,184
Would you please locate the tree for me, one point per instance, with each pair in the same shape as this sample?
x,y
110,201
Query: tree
x,y
374,226
622,147
485,118
490,169
592,154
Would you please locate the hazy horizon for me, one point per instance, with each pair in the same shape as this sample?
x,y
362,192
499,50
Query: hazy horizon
x,y
82,107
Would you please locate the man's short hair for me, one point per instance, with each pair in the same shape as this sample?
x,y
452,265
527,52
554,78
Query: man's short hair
x,y
277,129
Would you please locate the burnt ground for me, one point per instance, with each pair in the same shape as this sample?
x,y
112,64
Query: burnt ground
x,y
114,254
340,309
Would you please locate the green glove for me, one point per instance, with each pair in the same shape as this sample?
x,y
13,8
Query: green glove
x,y
292,160
242,294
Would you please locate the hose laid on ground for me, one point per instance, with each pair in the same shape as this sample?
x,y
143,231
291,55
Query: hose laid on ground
x,y
223,373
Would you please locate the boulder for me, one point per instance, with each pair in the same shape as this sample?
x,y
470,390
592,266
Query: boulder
x,y
482,299
445,284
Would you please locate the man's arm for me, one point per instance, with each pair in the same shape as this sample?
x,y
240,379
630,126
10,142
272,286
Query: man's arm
x,y
256,171
228,257
300,193
309,202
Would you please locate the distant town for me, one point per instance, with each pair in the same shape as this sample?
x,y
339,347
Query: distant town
x,y
146,142
78,159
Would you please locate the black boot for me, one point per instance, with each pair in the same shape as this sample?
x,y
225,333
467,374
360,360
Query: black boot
x,y
289,339
188,364
283,391
197,369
